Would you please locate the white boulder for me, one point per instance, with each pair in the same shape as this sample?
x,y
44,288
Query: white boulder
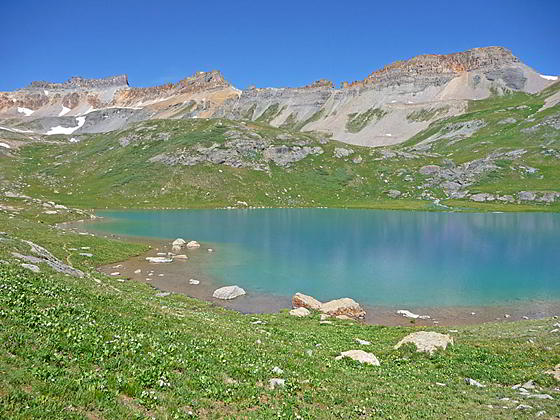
x,y
300,312
228,292
360,356
427,341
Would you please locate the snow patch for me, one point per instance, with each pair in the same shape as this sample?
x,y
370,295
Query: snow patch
x,y
46,92
549,77
66,130
64,111
7,146
25,111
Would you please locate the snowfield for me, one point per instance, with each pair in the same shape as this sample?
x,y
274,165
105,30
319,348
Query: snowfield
x,y
549,77
25,111
64,111
66,130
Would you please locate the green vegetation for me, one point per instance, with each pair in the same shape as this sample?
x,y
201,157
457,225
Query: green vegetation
x,y
357,122
98,348
269,114
427,114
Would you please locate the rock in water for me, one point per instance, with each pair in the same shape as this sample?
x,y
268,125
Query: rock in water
x,y
408,314
344,306
300,312
193,244
299,300
228,292
427,341
360,356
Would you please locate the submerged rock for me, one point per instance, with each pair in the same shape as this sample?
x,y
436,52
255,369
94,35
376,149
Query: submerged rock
x,y
360,356
427,341
228,292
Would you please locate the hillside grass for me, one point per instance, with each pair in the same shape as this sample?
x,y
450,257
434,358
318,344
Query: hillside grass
x,y
97,348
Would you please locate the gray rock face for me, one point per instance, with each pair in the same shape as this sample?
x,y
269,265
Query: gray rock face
x,y
512,76
457,131
44,256
527,196
228,292
429,169
340,152
394,193
509,120
32,267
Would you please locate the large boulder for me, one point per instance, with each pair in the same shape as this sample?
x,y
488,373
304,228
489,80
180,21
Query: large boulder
x,y
193,244
360,356
228,292
427,341
344,306
299,300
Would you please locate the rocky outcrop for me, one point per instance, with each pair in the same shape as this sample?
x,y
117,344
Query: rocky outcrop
x,y
44,256
77,82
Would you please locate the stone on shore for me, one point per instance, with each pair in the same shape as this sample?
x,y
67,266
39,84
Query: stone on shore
x,y
427,341
194,282
179,242
180,257
193,244
344,306
158,260
408,314
360,356
228,292
299,300
300,312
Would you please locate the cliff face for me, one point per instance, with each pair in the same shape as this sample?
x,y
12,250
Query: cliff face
x,y
387,107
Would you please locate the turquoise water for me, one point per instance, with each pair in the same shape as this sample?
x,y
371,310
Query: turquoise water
x,y
376,257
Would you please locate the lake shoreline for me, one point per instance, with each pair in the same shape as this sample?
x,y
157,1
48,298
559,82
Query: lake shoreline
x,y
174,278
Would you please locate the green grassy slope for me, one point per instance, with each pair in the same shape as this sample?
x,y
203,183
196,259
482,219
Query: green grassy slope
x,y
100,172
98,348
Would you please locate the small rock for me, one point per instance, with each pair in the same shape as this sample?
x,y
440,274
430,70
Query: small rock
x,y
541,413
472,382
529,385
523,407
137,271
159,260
276,383
408,314
440,384
180,257
360,356
86,254
300,312
163,294
193,281
115,273
363,342
540,396
210,250
228,292
32,267
277,370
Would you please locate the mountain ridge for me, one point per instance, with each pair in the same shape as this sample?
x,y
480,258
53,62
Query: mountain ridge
x,y
375,111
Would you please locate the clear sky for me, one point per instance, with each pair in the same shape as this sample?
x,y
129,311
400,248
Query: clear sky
x,y
266,43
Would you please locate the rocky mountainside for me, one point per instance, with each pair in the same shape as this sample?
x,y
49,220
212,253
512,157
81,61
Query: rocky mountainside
x,y
387,107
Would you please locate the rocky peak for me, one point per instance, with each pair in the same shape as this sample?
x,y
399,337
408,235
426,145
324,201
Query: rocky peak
x,y
434,65
321,83
77,82
204,80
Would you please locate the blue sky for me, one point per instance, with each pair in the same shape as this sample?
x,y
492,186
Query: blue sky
x,y
282,43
